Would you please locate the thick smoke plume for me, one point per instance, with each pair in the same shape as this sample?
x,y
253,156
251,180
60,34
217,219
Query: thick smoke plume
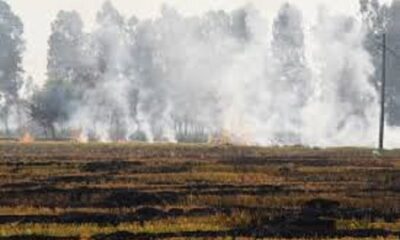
x,y
233,75
179,78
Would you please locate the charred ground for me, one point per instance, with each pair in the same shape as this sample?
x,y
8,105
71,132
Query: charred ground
x,y
139,191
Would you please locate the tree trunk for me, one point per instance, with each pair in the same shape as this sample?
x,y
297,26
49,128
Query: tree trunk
x,y
53,131
21,128
6,125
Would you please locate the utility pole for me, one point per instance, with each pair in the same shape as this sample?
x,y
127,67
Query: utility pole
x,y
383,96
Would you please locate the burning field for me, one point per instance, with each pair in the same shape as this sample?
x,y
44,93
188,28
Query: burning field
x,y
160,191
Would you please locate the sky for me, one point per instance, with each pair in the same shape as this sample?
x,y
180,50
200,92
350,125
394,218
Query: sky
x,y
37,17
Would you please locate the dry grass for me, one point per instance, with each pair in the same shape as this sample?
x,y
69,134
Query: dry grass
x,y
213,188
212,223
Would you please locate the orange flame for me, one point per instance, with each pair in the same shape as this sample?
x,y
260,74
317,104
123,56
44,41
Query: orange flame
x,y
27,138
78,136
227,138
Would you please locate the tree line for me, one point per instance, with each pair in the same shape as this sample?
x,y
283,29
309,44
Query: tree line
x,y
122,79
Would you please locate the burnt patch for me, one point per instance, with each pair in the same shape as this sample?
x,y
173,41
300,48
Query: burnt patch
x,y
227,189
79,179
320,206
323,160
86,197
200,212
148,213
25,185
134,198
142,214
175,212
249,233
109,166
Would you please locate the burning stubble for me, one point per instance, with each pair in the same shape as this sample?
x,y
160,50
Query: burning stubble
x,y
221,76
236,76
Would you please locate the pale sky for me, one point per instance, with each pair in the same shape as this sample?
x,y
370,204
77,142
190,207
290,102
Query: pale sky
x,y
38,14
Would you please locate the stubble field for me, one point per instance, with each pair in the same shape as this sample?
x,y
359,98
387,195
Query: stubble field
x,y
164,191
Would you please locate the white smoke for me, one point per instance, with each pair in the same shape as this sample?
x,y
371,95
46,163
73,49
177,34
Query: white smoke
x,y
224,72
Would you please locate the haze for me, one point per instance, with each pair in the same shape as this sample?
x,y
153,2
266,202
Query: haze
x,y
37,16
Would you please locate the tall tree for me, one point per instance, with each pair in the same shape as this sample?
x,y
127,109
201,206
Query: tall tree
x,y
393,64
112,43
375,17
291,68
109,36
11,49
52,105
379,19
65,47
